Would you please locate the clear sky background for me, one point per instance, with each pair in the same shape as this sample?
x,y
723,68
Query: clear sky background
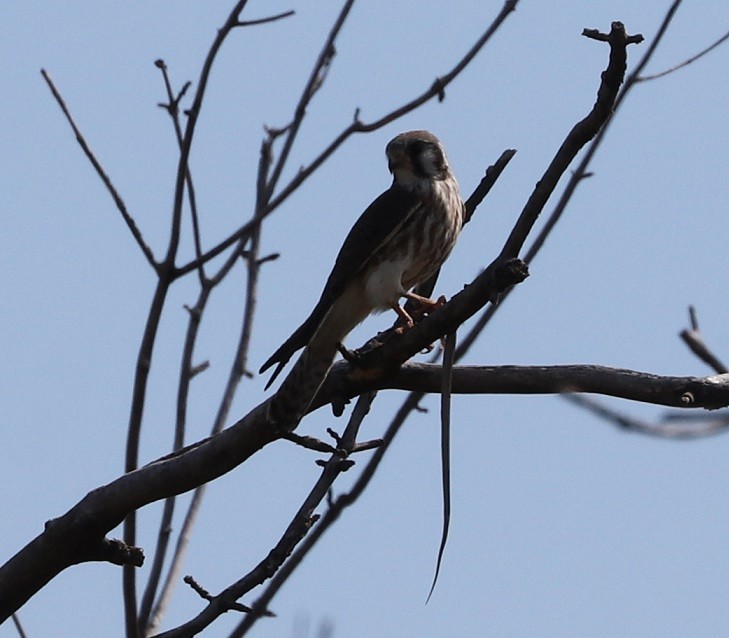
x,y
562,525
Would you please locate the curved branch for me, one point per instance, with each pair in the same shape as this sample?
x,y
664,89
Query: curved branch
x,y
78,535
689,427
710,392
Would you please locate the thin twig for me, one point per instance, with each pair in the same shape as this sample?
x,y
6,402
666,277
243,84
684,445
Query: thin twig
x,y
309,442
693,339
205,595
173,109
167,274
581,134
18,626
273,18
436,90
153,616
331,472
183,388
121,206
237,372
685,63
578,175
669,430
280,560
357,126
314,83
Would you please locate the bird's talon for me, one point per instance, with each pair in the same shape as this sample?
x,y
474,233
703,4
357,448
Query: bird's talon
x,y
404,327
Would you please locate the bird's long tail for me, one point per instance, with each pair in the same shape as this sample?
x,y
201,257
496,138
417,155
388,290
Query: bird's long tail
x,y
298,389
293,398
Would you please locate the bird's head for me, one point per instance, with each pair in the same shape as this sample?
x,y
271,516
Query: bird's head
x,y
416,159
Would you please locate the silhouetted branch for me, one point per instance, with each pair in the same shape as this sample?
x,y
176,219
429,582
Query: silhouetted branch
x,y
685,63
680,392
172,106
357,126
121,206
167,274
693,339
686,427
273,18
299,527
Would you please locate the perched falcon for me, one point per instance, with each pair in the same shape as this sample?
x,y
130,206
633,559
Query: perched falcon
x,y
401,239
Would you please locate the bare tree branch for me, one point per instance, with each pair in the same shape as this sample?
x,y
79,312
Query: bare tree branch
x,y
436,90
121,206
357,126
678,392
19,626
79,535
273,18
300,525
696,428
578,175
693,339
172,106
167,274
685,63
237,372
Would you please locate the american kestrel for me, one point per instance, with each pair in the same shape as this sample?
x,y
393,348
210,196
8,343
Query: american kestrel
x,y
400,240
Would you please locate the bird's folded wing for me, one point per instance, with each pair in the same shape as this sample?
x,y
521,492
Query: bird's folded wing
x,y
374,228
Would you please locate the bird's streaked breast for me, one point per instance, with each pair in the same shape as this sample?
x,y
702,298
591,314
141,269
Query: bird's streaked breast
x,y
419,248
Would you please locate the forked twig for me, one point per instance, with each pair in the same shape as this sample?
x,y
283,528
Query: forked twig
x,y
273,18
693,339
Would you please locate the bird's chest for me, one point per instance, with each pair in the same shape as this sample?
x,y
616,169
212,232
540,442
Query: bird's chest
x,y
412,254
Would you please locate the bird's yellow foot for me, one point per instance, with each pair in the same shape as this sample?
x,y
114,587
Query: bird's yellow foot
x,y
425,305
405,320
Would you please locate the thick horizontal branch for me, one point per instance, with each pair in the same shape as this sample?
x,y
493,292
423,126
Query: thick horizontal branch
x,y
78,536
710,392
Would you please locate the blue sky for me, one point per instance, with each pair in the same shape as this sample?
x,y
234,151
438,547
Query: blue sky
x,y
562,525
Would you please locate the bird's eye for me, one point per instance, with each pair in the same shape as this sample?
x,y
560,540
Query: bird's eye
x,y
417,147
